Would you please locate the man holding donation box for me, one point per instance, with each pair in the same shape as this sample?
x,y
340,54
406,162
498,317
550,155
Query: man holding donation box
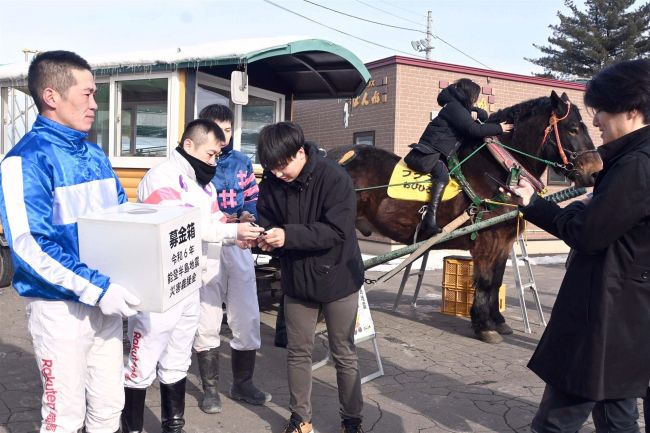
x,y
49,179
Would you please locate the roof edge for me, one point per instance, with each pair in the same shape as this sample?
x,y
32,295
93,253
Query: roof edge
x,y
193,57
428,64
303,45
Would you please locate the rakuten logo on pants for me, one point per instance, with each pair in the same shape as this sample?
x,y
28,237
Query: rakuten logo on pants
x,y
50,393
133,355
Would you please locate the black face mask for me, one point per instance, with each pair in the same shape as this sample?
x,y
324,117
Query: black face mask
x,y
204,172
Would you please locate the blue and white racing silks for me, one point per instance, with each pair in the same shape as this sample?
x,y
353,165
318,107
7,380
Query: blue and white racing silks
x,y
235,183
49,179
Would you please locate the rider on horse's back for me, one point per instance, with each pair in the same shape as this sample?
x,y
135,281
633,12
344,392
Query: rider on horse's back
x,y
442,138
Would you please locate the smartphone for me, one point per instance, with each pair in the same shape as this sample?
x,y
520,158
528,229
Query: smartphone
x,y
501,184
265,232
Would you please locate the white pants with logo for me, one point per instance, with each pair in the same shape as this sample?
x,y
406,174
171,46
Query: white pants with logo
x,y
231,282
162,343
79,354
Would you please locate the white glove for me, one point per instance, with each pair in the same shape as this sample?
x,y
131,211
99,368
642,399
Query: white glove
x,y
118,300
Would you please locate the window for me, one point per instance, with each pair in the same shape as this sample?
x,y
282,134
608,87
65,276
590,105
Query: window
x,y
133,117
208,95
366,137
17,114
257,114
556,179
263,108
142,126
99,133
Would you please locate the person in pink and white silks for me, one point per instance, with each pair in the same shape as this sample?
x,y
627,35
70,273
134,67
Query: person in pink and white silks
x,y
236,286
161,343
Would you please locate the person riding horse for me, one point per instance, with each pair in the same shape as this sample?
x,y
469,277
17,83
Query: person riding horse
x,y
443,137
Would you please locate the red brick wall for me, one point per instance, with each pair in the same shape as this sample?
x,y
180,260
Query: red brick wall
x,y
322,120
418,89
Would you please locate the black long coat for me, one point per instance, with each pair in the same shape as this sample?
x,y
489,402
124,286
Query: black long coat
x,y
320,260
597,343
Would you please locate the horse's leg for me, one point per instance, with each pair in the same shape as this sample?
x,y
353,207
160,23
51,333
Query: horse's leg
x,y
500,324
489,265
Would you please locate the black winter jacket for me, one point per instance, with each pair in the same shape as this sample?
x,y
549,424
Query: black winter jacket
x,y
320,260
453,124
597,342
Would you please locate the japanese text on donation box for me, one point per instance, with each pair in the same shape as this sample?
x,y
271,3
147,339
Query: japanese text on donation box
x,y
183,260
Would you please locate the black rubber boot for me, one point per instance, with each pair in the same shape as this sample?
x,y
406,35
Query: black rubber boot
x,y
243,366
429,226
133,412
172,406
209,370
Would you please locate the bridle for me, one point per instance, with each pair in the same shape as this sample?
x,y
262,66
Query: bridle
x,y
567,165
552,125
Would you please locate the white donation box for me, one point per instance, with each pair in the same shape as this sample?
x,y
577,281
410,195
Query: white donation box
x,y
153,251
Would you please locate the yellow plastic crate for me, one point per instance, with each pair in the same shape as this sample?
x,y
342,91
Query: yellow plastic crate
x,y
457,272
458,287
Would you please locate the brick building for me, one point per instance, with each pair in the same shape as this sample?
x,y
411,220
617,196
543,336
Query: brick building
x,y
400,100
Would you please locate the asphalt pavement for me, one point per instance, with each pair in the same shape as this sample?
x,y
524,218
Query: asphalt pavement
x,y
437,376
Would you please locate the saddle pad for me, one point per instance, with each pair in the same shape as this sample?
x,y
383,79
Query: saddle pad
x,y
407,184
506,160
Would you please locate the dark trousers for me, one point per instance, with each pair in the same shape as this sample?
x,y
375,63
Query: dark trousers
x,y
428,163
560,412
440,173
340,317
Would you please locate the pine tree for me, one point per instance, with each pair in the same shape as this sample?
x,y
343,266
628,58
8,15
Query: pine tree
x,y
585,42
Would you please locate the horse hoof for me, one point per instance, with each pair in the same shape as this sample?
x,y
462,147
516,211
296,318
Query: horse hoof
x,y
503,329
491,337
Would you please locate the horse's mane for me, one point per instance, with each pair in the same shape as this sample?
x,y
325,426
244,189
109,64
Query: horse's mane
x,y
521,111
368,151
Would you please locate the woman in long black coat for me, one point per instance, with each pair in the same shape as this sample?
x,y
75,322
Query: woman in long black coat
x,y
595,352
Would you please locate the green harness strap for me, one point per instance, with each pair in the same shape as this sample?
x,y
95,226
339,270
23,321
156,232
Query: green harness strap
x,y
457,173
476,200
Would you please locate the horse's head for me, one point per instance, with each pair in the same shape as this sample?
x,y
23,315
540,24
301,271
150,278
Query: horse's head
x,y
567,141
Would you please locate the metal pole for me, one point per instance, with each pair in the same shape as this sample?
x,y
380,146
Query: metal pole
x,y
557,197
429,33
25,113
27,52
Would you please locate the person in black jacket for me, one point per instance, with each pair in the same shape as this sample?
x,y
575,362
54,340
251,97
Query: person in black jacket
x,y
442,138
307,206
595,351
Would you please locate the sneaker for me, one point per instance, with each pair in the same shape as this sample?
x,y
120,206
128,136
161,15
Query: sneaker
x,y
351,426
295,426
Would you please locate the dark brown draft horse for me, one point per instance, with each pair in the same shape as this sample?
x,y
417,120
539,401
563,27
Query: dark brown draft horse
x,y
397,219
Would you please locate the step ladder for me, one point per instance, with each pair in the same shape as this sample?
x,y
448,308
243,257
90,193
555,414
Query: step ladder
x,y
405,278
520,284
527,283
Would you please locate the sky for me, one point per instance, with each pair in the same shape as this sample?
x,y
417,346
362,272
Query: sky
x,y
494,34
